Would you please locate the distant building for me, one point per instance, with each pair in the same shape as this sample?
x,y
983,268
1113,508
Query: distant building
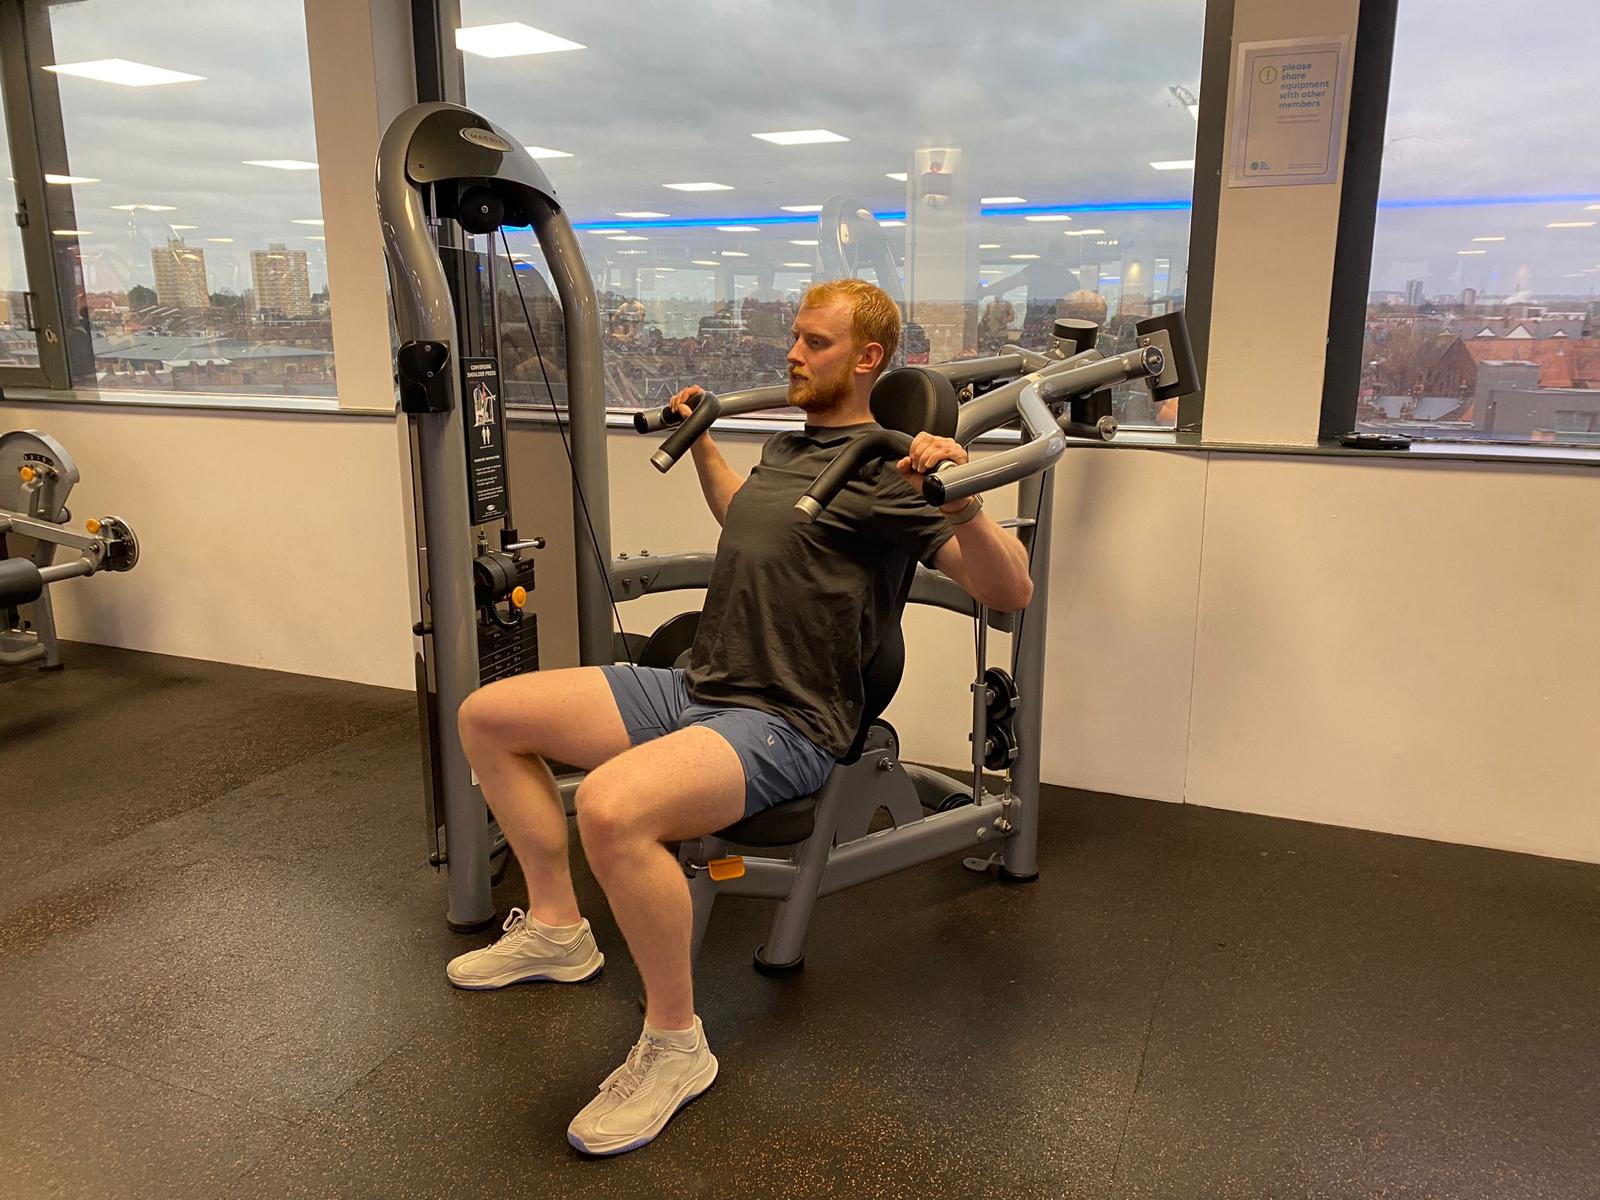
x,y
282,281
1414,295
180,272
1469,298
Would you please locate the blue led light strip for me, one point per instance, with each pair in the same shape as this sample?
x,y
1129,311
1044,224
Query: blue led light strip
x,y
1040,210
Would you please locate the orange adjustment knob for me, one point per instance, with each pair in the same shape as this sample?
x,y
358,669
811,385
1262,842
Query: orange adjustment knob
x,y
519,596
731,867
27,474
92,525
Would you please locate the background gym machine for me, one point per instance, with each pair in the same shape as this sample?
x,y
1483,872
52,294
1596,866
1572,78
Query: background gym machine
x,y
36,477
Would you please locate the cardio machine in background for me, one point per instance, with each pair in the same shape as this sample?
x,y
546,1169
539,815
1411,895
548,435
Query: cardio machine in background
x,y
36,477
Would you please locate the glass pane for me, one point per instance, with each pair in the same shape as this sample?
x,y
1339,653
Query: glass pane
x,y
991,173
19,347
1480,320
186,212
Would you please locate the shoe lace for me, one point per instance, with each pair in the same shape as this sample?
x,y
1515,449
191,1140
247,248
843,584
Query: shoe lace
x,y
516,925
636,1071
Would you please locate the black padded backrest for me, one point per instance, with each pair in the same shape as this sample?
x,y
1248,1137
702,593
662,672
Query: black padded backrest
x,y
913,400
880,678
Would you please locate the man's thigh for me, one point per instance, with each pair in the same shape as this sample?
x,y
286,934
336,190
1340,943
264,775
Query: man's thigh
x,y
684,785
568,715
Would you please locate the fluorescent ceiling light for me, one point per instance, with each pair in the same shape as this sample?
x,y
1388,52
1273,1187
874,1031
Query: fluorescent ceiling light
x,y
640,216
224,241
705,262
73,232
988,245
1499,238
510,39
1174,164
1569,224
281,164
1002,200
120,70
698,187
802,242
733,254
1472,252
1081,232
315,237
1111,279
630,251
738,229
797,264
183,227
306,221
603,232
801,137
1024,256
659,269
627,237
545,152
890,224
811,208
897,176
1048,217
145,207
69,179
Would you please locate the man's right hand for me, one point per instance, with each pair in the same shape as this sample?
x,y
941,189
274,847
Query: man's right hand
x,y
680,401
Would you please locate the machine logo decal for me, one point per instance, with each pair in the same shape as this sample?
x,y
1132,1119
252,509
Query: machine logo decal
x,y
490,141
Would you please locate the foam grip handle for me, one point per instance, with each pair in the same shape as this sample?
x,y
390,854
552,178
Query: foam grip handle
x,y
707,410
879,444
20,582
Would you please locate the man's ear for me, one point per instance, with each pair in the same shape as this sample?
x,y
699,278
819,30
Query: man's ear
x,y
870,358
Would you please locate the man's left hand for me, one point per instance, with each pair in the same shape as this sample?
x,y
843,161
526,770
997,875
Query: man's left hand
x,y
927,452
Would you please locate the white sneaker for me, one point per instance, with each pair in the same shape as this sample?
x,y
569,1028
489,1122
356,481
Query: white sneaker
x,y
526,953
638,1099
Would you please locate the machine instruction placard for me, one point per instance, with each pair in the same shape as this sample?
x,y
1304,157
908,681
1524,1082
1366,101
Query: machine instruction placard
x,y
485,429
1289,100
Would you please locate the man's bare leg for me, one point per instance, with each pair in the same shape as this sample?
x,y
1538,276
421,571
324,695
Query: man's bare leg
x,y
681,786
508,730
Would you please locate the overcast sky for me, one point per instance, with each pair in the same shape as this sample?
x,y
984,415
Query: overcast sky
x,y
1058,104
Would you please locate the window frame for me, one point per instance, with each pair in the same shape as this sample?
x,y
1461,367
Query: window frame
x,y
17,27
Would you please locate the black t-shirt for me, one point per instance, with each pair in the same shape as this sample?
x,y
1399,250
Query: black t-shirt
x,y
795,608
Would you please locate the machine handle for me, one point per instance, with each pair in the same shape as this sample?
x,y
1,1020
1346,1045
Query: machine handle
x,y
688,431
657,419
879,444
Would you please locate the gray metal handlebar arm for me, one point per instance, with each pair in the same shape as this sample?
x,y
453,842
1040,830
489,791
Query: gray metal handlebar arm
x,y
1046,444
1147,362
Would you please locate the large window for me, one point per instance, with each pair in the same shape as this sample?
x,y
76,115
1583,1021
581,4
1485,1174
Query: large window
x,y
184,208
1481,322
991,170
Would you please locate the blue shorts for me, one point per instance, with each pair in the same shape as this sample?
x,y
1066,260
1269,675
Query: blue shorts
x,y
779,762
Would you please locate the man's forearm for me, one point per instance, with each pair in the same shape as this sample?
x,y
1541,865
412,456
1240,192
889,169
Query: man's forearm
x,y
997,562
717,479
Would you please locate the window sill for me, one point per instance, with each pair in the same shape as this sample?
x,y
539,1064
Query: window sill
x,y
195,401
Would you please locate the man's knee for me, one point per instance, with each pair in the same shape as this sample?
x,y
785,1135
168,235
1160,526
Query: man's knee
x,y
605,819
485,718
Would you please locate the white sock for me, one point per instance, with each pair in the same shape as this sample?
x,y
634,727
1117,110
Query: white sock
x,y
677,1039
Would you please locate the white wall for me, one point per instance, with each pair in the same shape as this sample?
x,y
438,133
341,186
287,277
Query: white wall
x,y
267,539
